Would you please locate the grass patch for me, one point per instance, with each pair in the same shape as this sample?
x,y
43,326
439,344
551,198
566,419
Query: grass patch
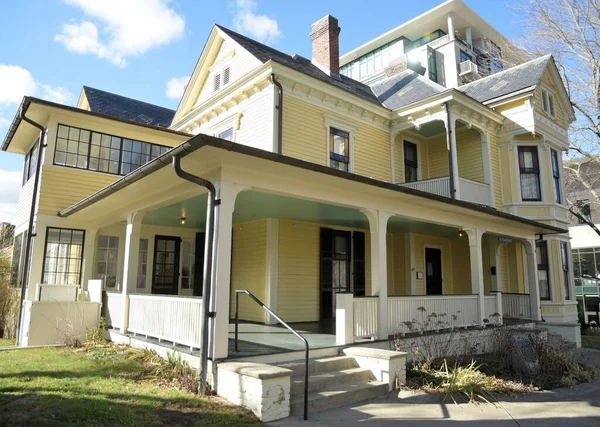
x,y
6,342
101,385
591,341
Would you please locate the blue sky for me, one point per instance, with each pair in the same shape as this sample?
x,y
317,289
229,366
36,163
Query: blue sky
x,y
51,48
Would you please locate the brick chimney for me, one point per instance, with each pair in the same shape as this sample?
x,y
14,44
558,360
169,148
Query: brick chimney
x,y
326,45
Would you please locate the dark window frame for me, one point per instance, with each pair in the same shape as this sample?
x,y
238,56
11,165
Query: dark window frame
x,y
333,156
120,164
46,251
535,170
542,247
555,175
564,259
412,164
29,167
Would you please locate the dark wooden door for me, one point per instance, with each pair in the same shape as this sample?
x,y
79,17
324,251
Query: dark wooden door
x,y
358,246
165,272
433,271
199,264
335,268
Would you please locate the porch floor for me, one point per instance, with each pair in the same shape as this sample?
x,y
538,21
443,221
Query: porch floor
x,y
258,339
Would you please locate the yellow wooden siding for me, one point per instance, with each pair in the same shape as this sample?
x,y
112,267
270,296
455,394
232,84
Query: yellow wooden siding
x,y
398,285
256,115
390,261
508,185
487,278
248,267
496,175
437,157
422,155
24,206
298,281
548,84
503,267
61,187
304,137
468,150
240,64
399,159
461,266
556,266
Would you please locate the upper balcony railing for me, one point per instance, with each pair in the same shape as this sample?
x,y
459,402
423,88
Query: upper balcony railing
x,y
471,191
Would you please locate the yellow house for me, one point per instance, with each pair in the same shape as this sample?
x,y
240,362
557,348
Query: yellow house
x,y
345,208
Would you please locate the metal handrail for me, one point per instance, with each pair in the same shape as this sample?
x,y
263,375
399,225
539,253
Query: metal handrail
x,y
292,330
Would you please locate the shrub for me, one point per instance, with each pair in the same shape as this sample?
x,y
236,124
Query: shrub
x,y
95,335
9,300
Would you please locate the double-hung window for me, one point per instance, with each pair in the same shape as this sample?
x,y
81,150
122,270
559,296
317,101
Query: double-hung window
x,y
585,210
411,164
543,269
142,264
564,257
548,102
339,149
63,256
555,176
31,159
107,256
529,168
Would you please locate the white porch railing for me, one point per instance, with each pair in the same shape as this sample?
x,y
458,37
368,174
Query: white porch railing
x,y
516,306
168,318
476,192
471,191
365,317
112,309
431,312
439,186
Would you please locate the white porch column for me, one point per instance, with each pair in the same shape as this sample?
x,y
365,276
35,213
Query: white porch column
x,y
130,264
475,252
221,270
452,155
450,26
344,318
378,231
493,253
89,249
409,264
272,267
486,156
469,35
532,278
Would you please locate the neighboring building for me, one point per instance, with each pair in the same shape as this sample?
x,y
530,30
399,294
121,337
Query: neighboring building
x,y
585,242
340,204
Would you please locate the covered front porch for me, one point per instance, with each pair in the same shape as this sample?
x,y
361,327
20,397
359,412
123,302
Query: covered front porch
x,y
323,250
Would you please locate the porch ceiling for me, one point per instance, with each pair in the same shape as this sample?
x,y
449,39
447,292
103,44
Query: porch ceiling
x,y
434,128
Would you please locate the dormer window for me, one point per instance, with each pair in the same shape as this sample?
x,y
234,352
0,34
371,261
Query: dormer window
x,y
221,78
548,102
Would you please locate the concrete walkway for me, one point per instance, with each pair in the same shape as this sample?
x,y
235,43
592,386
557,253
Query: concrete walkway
x,y
579,406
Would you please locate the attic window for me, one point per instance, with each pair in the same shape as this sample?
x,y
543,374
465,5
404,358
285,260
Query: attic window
x,y
548,102
221,78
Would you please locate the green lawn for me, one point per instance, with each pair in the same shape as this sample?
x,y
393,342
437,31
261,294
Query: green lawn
x,y
591,341
6,342
61,387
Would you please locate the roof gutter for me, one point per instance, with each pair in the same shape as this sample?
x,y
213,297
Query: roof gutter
x,y
30,233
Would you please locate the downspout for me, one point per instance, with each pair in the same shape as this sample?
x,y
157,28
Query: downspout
x,y
279,108
30,234
449,143
207,275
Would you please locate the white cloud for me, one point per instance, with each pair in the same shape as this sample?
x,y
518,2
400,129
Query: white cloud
x,y
127,28
260,27
16,82
176,87
4,123
9,194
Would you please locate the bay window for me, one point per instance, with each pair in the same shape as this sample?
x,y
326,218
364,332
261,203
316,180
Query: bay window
x,y
63,256
107,256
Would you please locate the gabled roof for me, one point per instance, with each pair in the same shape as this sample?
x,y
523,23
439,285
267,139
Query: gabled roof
x,y
517,78
125,108
265,53
404,89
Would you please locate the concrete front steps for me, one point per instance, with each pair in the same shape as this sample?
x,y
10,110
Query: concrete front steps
x,y
333,382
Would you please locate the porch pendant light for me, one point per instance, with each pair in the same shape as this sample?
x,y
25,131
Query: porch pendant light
x,y
183,220
460,233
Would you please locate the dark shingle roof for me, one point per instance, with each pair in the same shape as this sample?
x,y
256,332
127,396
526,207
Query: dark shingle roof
x,y
265,53
508,81
404,89
125,108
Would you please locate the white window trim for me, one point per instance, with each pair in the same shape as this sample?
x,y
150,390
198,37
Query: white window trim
x,y
542,147
549,94
217,69
231,122
334,122
560,175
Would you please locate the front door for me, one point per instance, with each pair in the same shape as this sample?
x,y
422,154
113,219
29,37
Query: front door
x,y
335,268
433,271
165,274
